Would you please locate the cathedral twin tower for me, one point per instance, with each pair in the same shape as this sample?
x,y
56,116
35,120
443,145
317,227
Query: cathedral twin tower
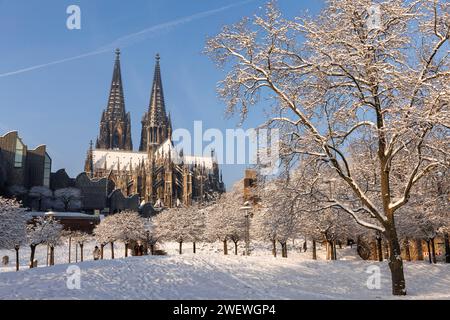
x,y
157,172
115,125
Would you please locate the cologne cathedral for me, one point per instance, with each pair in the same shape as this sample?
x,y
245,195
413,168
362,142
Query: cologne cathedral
x,y
158,173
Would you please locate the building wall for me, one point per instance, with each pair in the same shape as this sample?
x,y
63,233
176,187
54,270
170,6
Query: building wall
x,y
60,180
93,192
23,167
36,167
15,174
2,173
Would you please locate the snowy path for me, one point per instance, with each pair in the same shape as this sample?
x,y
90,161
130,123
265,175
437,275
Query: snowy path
x,y
214,276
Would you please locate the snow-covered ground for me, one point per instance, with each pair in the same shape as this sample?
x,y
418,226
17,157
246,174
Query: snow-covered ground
x,y
211,275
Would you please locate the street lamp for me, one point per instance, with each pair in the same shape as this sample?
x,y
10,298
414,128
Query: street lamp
x,y
247,208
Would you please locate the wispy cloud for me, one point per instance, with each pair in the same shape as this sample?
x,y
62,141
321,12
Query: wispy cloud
x,y
132,38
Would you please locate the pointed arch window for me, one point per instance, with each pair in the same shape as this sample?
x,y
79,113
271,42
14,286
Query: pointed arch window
x,y
116,141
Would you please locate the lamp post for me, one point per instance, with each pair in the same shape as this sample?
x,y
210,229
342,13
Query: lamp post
x,y
247,208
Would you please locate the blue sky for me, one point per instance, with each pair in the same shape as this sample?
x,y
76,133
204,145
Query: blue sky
x,y
60,105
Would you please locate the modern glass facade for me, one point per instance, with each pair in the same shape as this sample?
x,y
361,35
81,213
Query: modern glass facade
x,y
47,170
18,158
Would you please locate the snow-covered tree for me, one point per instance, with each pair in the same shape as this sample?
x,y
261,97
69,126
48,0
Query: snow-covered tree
x,y
264,227
426,215
338,78
40,194
13,226
44,230
70,198
105,233
80,239
277,221
180,224
226,221
151,234
217,225
196,214
67,235
129,227
17,192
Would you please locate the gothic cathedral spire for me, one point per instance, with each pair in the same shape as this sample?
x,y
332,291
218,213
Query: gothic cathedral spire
x,y
156,126
115,125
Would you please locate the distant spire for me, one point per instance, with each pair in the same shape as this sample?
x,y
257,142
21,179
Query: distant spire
x,y
156,126
89,164
169,126
169,121
157,107
115,125
116,101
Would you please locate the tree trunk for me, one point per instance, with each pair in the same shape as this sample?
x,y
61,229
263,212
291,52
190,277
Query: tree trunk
x,y
102,246
274,248
181,247
433,251
386,250
235,248
407,250
330,251
126,250
314,249
283,249
396,263
17,257
152,249
379,249
429,251
225,247
334,250
52,255
70,250
447,247
112,250
33,251
194,248
81,252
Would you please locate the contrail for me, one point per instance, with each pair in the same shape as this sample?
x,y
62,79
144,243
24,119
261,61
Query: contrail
x,y
131,38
